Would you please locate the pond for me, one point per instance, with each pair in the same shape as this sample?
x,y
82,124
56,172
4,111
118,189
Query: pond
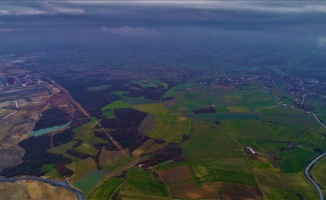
x,y
49,130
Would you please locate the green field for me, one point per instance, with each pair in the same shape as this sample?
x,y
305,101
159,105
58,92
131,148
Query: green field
x,y
86,149
214,117
85,133
170,128
107,189
88,182
214,156
318,173
295,160
285,186
260,130
140,182
157,108
115,104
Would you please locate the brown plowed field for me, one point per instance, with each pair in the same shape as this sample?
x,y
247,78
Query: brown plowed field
x,y
182,185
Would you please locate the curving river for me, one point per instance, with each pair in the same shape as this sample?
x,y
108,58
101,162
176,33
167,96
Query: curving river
x,y
62,183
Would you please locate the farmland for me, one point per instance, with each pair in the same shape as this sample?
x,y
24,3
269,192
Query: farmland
x,y
168,100
318,173
170,128
213,163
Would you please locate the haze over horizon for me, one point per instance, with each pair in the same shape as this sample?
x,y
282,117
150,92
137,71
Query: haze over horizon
x,y
285,28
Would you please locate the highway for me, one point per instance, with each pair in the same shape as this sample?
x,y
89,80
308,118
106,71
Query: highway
x,y
63,183
307,169
318,120
306,173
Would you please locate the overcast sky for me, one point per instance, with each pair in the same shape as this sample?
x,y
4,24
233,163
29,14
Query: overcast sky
x,y
303,20
103,7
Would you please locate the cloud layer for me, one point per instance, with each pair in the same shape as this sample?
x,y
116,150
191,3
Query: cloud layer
x,y
96,7
131,31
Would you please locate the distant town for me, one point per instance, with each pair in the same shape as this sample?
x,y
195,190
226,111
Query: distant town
x,y
23,81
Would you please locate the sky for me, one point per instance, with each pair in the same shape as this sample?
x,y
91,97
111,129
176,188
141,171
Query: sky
x,y
288,26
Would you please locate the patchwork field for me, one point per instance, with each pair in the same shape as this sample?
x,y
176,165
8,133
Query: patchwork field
x,y
182,184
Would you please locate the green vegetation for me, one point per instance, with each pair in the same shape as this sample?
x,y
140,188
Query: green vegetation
x,y
156,108
62,148
119,93
47,167
295,160
213,117
88,182
213,156
85,133
284,138
170,128
318,173
115,104
107,189
86,149
140,182
81,167
258,130
221,109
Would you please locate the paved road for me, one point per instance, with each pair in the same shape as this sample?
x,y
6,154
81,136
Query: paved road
x,y
306,172
318,120
63,183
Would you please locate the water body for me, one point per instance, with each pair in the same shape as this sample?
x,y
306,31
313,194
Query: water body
x,y
63,183
49,130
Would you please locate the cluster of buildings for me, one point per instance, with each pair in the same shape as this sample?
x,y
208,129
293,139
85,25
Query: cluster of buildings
x,y
300,87
22,80
233,81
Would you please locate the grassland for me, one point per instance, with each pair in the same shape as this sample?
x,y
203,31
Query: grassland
x,y
285,186
85,133
108,109
157,108
107,189
86,149
87,183
260,130
140,182
80,167
147,147
170,128
214,156
319,174
115,104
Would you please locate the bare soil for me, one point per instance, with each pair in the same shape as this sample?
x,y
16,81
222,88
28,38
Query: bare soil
x,y
28,190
